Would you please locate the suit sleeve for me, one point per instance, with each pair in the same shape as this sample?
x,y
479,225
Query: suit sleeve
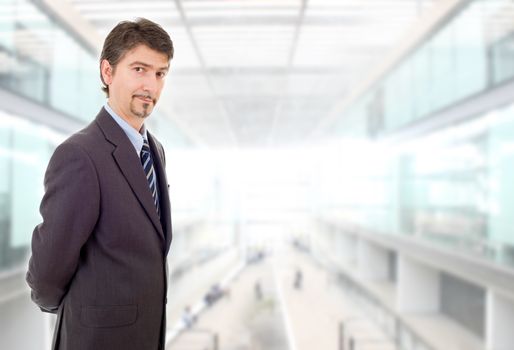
x,y
70,210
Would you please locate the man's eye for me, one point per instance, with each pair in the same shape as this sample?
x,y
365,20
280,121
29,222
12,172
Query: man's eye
x,y
138,69
161,74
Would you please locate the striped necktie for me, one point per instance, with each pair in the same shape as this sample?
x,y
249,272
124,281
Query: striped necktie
x,y
146,160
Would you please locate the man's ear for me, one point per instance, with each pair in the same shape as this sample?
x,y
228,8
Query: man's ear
x,y
107,72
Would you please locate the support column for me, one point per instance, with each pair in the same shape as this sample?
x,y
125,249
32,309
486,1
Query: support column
x,y
418,287
500,318
372,260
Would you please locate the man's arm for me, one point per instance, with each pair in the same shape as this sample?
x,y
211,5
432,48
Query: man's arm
x,y
70,209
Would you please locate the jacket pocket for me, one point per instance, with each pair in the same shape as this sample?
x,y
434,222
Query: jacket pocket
x,y
108,316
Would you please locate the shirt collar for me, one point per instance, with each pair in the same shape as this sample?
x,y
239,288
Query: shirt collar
x,y
136,138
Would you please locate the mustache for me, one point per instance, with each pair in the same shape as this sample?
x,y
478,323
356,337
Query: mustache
x,y
148,96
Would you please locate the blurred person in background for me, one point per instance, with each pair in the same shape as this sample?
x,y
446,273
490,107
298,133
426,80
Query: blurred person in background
x,y
99,256
298,279
188,319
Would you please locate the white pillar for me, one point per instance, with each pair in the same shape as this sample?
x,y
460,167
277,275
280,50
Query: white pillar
x,y
499,322
372,261
418,287
348,249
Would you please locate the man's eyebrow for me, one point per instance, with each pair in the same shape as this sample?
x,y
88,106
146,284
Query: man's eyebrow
x,y
139,63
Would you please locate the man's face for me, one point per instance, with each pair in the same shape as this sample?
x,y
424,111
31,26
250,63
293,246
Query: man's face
x,y
136,82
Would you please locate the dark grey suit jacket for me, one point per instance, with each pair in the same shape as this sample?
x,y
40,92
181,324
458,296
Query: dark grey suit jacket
x,y
99,255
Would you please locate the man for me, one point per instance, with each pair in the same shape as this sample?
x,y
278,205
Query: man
x,y
99,256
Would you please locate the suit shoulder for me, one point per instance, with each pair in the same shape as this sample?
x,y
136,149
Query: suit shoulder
x,y
82,143
87,138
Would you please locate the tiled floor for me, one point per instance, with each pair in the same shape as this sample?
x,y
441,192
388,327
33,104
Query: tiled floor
x,y
284,318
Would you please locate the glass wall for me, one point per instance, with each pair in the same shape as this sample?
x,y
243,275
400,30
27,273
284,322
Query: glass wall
x,y
470,54
25,149
453,187
43,62
444,193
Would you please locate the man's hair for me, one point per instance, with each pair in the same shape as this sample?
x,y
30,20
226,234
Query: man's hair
x,y
129,34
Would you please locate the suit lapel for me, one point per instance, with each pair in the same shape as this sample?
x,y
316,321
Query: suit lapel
x,y
130,165
163,189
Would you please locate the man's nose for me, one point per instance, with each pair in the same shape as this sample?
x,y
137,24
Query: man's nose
x,y
150,84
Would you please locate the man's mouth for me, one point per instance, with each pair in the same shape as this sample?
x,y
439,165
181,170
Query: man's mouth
x,y
145,99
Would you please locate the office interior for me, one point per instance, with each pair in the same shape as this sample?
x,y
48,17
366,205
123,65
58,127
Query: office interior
x,y
341,171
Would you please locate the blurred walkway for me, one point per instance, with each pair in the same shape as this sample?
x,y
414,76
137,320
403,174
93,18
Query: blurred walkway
x,y
316,310
284,317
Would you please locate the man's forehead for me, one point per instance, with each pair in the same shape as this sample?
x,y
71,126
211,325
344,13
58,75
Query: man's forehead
x,y
149,65
147,56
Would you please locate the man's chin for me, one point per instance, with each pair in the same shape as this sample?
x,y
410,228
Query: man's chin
x,y
141,113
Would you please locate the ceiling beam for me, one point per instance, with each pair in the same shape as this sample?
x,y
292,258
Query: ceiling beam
x,y
221,107
290,58
260,71
68,16
250,21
